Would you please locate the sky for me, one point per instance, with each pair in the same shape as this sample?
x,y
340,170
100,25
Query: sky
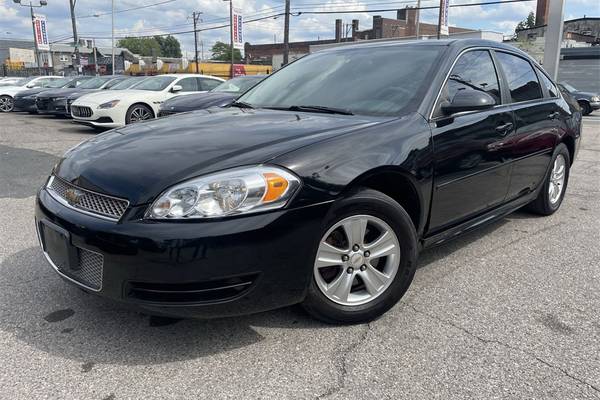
x,y
172,16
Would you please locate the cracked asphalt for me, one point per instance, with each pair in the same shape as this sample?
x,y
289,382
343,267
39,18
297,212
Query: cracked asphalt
x,y
511,311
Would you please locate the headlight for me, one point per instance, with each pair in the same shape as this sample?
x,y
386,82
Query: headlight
x,y
236,191
59,99
109,104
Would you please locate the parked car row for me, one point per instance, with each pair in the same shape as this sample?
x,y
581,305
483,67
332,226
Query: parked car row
x,y
113,101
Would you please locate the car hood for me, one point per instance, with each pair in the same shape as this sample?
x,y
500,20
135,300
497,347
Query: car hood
x,y
586,94
64,92
110,95
31,92
138,162
198,101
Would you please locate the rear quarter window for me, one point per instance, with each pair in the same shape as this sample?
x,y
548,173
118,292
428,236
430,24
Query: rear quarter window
x,y
520,77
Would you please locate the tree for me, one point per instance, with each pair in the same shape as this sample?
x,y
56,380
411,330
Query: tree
x,y
143,46
222,52
527,23
169,46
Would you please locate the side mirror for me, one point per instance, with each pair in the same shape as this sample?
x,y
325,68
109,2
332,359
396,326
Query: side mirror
x,y
30,86
468,100
176,88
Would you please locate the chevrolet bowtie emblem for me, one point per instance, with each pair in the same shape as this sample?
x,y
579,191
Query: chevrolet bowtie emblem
x,y
73,196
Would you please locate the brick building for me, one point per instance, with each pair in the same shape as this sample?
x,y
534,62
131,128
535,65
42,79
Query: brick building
x,y
404,26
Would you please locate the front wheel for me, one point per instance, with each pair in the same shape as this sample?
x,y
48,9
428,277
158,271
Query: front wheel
x,y
586,109
6,103
554,186
137,113
365,260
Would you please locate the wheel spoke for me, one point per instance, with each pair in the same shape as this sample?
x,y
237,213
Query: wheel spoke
x,y
373,280
355,230
383,246
329,255
341,286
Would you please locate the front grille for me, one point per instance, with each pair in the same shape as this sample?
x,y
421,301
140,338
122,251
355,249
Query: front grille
x,y
88,270
42,104
81,111
88,201
194,292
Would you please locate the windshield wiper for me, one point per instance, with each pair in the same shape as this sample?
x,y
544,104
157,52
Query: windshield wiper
x,y
241,104
321,109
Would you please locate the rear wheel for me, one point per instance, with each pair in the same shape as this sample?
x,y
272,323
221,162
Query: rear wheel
x,y
137,113
365,261
585,107
6,103
554,186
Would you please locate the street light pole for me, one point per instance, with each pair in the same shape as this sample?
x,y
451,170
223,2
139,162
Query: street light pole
x,y
35,45
112,35
231,34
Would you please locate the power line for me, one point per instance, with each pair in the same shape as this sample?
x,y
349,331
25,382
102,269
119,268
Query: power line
x,y
127,9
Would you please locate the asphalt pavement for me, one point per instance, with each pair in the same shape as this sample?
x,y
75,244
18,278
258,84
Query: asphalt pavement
x,y
511,311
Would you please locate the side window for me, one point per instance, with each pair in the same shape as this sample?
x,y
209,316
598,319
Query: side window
x,y
552,91
474,70
521,78
208,84
188,84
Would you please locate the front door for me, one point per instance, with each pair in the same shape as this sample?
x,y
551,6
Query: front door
x,y
471,171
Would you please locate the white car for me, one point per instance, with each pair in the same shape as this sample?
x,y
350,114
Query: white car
x,y
112,109
7,93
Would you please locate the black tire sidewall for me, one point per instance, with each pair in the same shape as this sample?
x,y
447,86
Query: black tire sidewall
x,y
377,204
131,108
549,207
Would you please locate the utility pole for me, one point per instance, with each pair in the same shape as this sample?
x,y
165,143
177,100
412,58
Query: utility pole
x,y
112,35
75,37
553,37
417,19
286,33
231,35
196,16
35,46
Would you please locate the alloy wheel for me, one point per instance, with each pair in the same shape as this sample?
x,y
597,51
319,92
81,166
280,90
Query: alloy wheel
x,y
140,114
357,260
6,104
557,179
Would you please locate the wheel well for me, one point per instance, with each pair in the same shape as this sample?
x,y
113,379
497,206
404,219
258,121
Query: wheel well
x,y
570,143
398,187
141,103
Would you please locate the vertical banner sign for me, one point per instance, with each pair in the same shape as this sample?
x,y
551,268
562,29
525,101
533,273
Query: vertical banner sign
x,y
238,29
444,17
41,32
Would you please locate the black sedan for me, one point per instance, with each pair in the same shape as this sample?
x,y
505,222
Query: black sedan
x,y
55,101
220,96
25,100
320,185
588,101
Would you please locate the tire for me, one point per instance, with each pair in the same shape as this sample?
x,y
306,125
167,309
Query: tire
x,y
546,202
586,109
137,113
382,214
6,103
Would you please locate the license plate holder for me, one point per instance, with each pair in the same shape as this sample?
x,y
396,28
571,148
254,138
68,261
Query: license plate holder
x,y
56,242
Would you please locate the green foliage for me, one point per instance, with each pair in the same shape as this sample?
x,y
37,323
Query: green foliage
x,y
169,46
527,23
143,46
157,46
222,52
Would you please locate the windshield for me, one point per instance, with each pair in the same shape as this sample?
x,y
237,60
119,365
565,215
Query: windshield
x,y
126,83
568,87
25,81
155,83
93,83
363,80
238,85
58,83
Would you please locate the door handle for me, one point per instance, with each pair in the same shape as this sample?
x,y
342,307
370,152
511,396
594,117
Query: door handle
x,y
505,128
554,115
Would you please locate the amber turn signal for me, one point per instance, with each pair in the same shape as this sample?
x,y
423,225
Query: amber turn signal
x,y
276,187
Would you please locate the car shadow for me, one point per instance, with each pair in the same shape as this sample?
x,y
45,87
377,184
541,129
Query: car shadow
x,y
42,311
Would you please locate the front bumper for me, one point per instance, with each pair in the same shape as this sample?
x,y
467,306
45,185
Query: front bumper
x,y
595,105
52,106
23,104
195,269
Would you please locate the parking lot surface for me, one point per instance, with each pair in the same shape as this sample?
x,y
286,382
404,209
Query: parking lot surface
x,y
510,311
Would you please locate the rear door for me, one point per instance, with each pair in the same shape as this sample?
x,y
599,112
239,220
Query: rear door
x,y
537,118
471,171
